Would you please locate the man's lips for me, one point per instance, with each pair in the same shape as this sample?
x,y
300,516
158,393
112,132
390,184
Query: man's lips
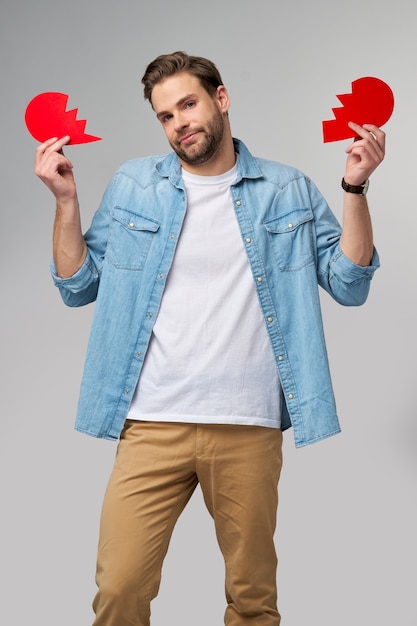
x,y
186,139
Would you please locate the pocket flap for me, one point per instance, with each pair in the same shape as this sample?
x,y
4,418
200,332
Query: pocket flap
x,y
289,222
134,221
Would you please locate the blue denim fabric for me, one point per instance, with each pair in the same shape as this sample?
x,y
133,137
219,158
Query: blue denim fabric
x,y
292,242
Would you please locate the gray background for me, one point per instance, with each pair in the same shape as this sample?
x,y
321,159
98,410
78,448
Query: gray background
x,y
346,527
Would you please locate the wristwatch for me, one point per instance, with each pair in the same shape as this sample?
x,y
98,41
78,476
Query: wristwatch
x,y
359,189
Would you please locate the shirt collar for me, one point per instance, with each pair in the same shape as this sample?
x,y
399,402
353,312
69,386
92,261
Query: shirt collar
x,y
169,165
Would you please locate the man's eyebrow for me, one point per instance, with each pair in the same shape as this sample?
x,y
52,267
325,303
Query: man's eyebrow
x,y
178,104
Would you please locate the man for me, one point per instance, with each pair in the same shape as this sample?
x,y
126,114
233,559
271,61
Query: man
x,y
207,340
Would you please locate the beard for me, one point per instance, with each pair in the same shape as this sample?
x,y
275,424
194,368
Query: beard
x,y
202,151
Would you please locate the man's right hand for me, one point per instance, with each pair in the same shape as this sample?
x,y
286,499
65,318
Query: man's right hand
x,y
55,170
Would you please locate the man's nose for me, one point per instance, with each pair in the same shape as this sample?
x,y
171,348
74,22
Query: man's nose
x,y
180,121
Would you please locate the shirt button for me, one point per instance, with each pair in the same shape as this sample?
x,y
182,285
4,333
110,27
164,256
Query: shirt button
x,y
238,203
248,240
171,236
270,319
280,358
290,396
260,279
132,224
289,225
150,315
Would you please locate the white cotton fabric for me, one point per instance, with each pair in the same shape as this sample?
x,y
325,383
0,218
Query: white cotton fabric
x,y
209,358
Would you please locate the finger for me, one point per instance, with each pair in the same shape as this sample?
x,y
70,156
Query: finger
x,y
49,148
371,137
361,131
52,161
53,144
368,131
377,133
367,150
49,142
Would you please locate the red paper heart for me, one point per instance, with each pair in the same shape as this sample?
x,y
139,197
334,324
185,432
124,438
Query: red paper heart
x,y
46,116
371,102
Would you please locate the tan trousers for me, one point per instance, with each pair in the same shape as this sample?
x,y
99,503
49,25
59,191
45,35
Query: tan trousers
x,y
157,468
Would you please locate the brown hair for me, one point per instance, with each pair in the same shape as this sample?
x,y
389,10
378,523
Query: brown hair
x,y
169,64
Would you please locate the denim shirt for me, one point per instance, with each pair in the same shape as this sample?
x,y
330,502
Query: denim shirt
x,y
292,243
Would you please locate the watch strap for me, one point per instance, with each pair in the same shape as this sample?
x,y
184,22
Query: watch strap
x,y
359,189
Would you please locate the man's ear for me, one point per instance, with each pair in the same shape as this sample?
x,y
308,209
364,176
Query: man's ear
x,y
222,98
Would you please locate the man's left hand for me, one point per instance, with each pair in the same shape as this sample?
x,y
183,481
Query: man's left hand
x,y
365,153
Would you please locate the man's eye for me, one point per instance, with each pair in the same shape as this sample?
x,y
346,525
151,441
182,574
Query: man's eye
x,y
190,104
166,118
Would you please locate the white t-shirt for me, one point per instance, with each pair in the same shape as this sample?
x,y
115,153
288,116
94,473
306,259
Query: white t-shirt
x,y
209,358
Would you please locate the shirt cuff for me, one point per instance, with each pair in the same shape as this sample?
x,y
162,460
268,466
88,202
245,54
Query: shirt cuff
x,y
78,281
348,271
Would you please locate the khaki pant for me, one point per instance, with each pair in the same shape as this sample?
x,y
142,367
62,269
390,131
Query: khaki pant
x,y
157,468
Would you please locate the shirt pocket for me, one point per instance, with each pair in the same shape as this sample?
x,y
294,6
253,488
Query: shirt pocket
x,y
130,238
291,237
